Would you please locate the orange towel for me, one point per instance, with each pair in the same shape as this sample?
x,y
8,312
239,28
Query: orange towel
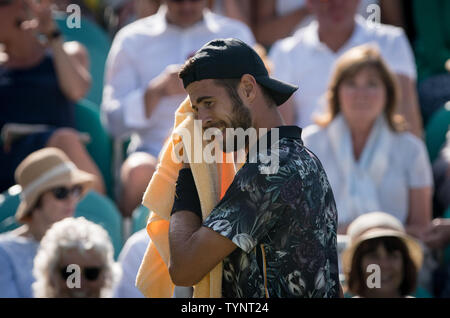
x,y
211,180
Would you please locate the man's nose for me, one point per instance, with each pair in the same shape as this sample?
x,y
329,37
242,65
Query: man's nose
x,y
204,116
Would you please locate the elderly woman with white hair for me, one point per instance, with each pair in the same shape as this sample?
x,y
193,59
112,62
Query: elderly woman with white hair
x,y
75,259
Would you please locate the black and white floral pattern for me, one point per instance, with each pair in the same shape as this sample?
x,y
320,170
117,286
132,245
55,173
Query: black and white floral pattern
x,y
291,215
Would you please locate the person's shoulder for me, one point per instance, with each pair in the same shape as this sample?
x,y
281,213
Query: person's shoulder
x,y
408,143
312,133
12,243
149,27
8,238
136,243
312,130
225,21
296,47
380,30
293,42
140,237
229,27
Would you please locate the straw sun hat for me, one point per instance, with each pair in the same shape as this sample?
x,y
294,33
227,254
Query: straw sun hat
x,y
43,170
375,225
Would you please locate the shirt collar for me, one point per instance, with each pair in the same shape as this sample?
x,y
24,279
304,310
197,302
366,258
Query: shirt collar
x,y
294,132
312,36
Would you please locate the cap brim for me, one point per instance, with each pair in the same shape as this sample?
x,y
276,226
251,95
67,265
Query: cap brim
x,y
279,90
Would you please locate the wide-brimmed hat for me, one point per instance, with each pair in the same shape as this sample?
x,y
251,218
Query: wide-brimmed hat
x,y
376,225
43,170
232,58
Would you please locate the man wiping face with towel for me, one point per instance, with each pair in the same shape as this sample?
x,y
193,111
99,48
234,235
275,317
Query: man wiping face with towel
x,y
274,232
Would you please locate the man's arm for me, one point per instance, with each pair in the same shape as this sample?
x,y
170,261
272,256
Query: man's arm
x,y
194,249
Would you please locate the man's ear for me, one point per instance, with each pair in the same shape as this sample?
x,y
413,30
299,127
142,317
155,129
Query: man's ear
x,y
247,88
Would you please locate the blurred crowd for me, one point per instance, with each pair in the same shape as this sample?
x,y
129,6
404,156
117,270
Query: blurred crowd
x,y
87,102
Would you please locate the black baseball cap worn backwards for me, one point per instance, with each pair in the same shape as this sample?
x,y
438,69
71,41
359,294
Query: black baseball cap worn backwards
x,y
232,58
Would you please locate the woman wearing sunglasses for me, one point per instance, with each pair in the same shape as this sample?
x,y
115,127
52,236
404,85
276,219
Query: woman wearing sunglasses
x,y
75,259
51,187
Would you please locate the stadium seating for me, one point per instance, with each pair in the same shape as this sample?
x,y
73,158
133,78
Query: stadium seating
x,y
139,218
436,130
100,147
97,43
101,210
9,201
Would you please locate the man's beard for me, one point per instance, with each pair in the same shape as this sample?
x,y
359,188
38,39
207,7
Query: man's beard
x,y
240,118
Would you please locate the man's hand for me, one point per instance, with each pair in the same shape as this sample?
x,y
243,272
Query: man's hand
x,y
168,83
438,233
165,84
447,65
42,21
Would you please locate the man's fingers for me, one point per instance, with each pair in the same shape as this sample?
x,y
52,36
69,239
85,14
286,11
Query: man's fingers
x,y
29,25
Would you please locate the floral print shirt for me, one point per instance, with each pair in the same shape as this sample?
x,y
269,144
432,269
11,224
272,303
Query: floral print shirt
x,y
284,224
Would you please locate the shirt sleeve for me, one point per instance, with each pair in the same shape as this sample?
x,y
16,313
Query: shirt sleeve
x,y
420,174
281,62
123,96
7,282
400,56
130,259
247,212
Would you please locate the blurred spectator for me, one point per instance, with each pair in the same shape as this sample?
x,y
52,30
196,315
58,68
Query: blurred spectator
x,y
119,13
306,59
51,188
432,48
142,87
441,173
235,9
39,84
437,237
372,164
70,247
438,233
378,238
130,260
277,19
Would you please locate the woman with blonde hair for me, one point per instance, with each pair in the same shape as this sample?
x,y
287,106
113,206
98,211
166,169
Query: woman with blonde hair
x,y
371,161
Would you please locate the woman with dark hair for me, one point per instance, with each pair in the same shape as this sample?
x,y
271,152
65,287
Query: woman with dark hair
x,y
372,163
382,261
41,79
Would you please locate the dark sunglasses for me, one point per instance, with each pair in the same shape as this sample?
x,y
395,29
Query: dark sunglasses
x,y
61,193
90,273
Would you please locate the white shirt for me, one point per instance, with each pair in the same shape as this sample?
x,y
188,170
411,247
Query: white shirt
x,y
130,259
139,53
284,7
407,167
16,265
305,61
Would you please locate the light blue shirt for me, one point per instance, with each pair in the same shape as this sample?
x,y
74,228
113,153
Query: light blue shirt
x,y
16,266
